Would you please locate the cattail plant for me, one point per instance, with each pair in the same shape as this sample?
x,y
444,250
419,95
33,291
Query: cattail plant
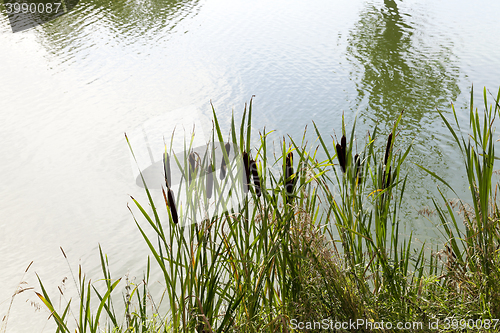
x,y
289,182
169,199
341,153
387,174
255,176
253,268
173,210
192,165
209,181
357,168
246,163
388,149
166,169
223,167
170,202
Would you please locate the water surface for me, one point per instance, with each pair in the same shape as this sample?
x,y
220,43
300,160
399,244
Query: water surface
x,y
72,87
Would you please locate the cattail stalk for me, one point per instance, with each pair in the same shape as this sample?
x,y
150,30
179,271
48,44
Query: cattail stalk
x,y
387,178
166,169
388,148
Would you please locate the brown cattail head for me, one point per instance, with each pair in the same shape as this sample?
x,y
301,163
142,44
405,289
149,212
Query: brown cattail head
x,y
388,148
255,176
210,181
341,153
223,167
246,163
289,173
166,169
357,164
171,204
192,164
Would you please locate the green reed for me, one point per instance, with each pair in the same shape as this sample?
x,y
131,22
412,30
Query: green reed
x,y
275,256
472,246
366,201
243,269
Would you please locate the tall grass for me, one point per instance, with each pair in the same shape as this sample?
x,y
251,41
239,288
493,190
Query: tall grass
x,y
472,246
366,214
310,239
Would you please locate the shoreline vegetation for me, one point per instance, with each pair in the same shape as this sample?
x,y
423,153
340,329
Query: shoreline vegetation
x,y
273,264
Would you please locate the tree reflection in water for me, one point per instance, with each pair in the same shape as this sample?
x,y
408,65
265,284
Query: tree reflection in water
x,y
398,67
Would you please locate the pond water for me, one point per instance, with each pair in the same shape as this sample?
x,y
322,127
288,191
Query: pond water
x,y
73,86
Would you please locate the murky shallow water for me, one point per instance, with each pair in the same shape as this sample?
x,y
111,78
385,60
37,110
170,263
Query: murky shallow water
x,y
72,87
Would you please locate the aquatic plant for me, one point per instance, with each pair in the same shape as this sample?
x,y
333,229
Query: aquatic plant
x,y
309,242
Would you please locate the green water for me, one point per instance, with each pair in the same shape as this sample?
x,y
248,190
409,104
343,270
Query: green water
x,y
72,87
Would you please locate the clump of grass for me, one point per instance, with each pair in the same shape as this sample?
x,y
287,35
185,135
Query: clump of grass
x,y
472,267
326,291
309,241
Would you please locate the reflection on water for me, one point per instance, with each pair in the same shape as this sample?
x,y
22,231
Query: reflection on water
x,y
115,23
399,66
400,63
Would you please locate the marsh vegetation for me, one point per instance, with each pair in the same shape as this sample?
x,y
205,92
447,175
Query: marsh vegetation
x,y
312,239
